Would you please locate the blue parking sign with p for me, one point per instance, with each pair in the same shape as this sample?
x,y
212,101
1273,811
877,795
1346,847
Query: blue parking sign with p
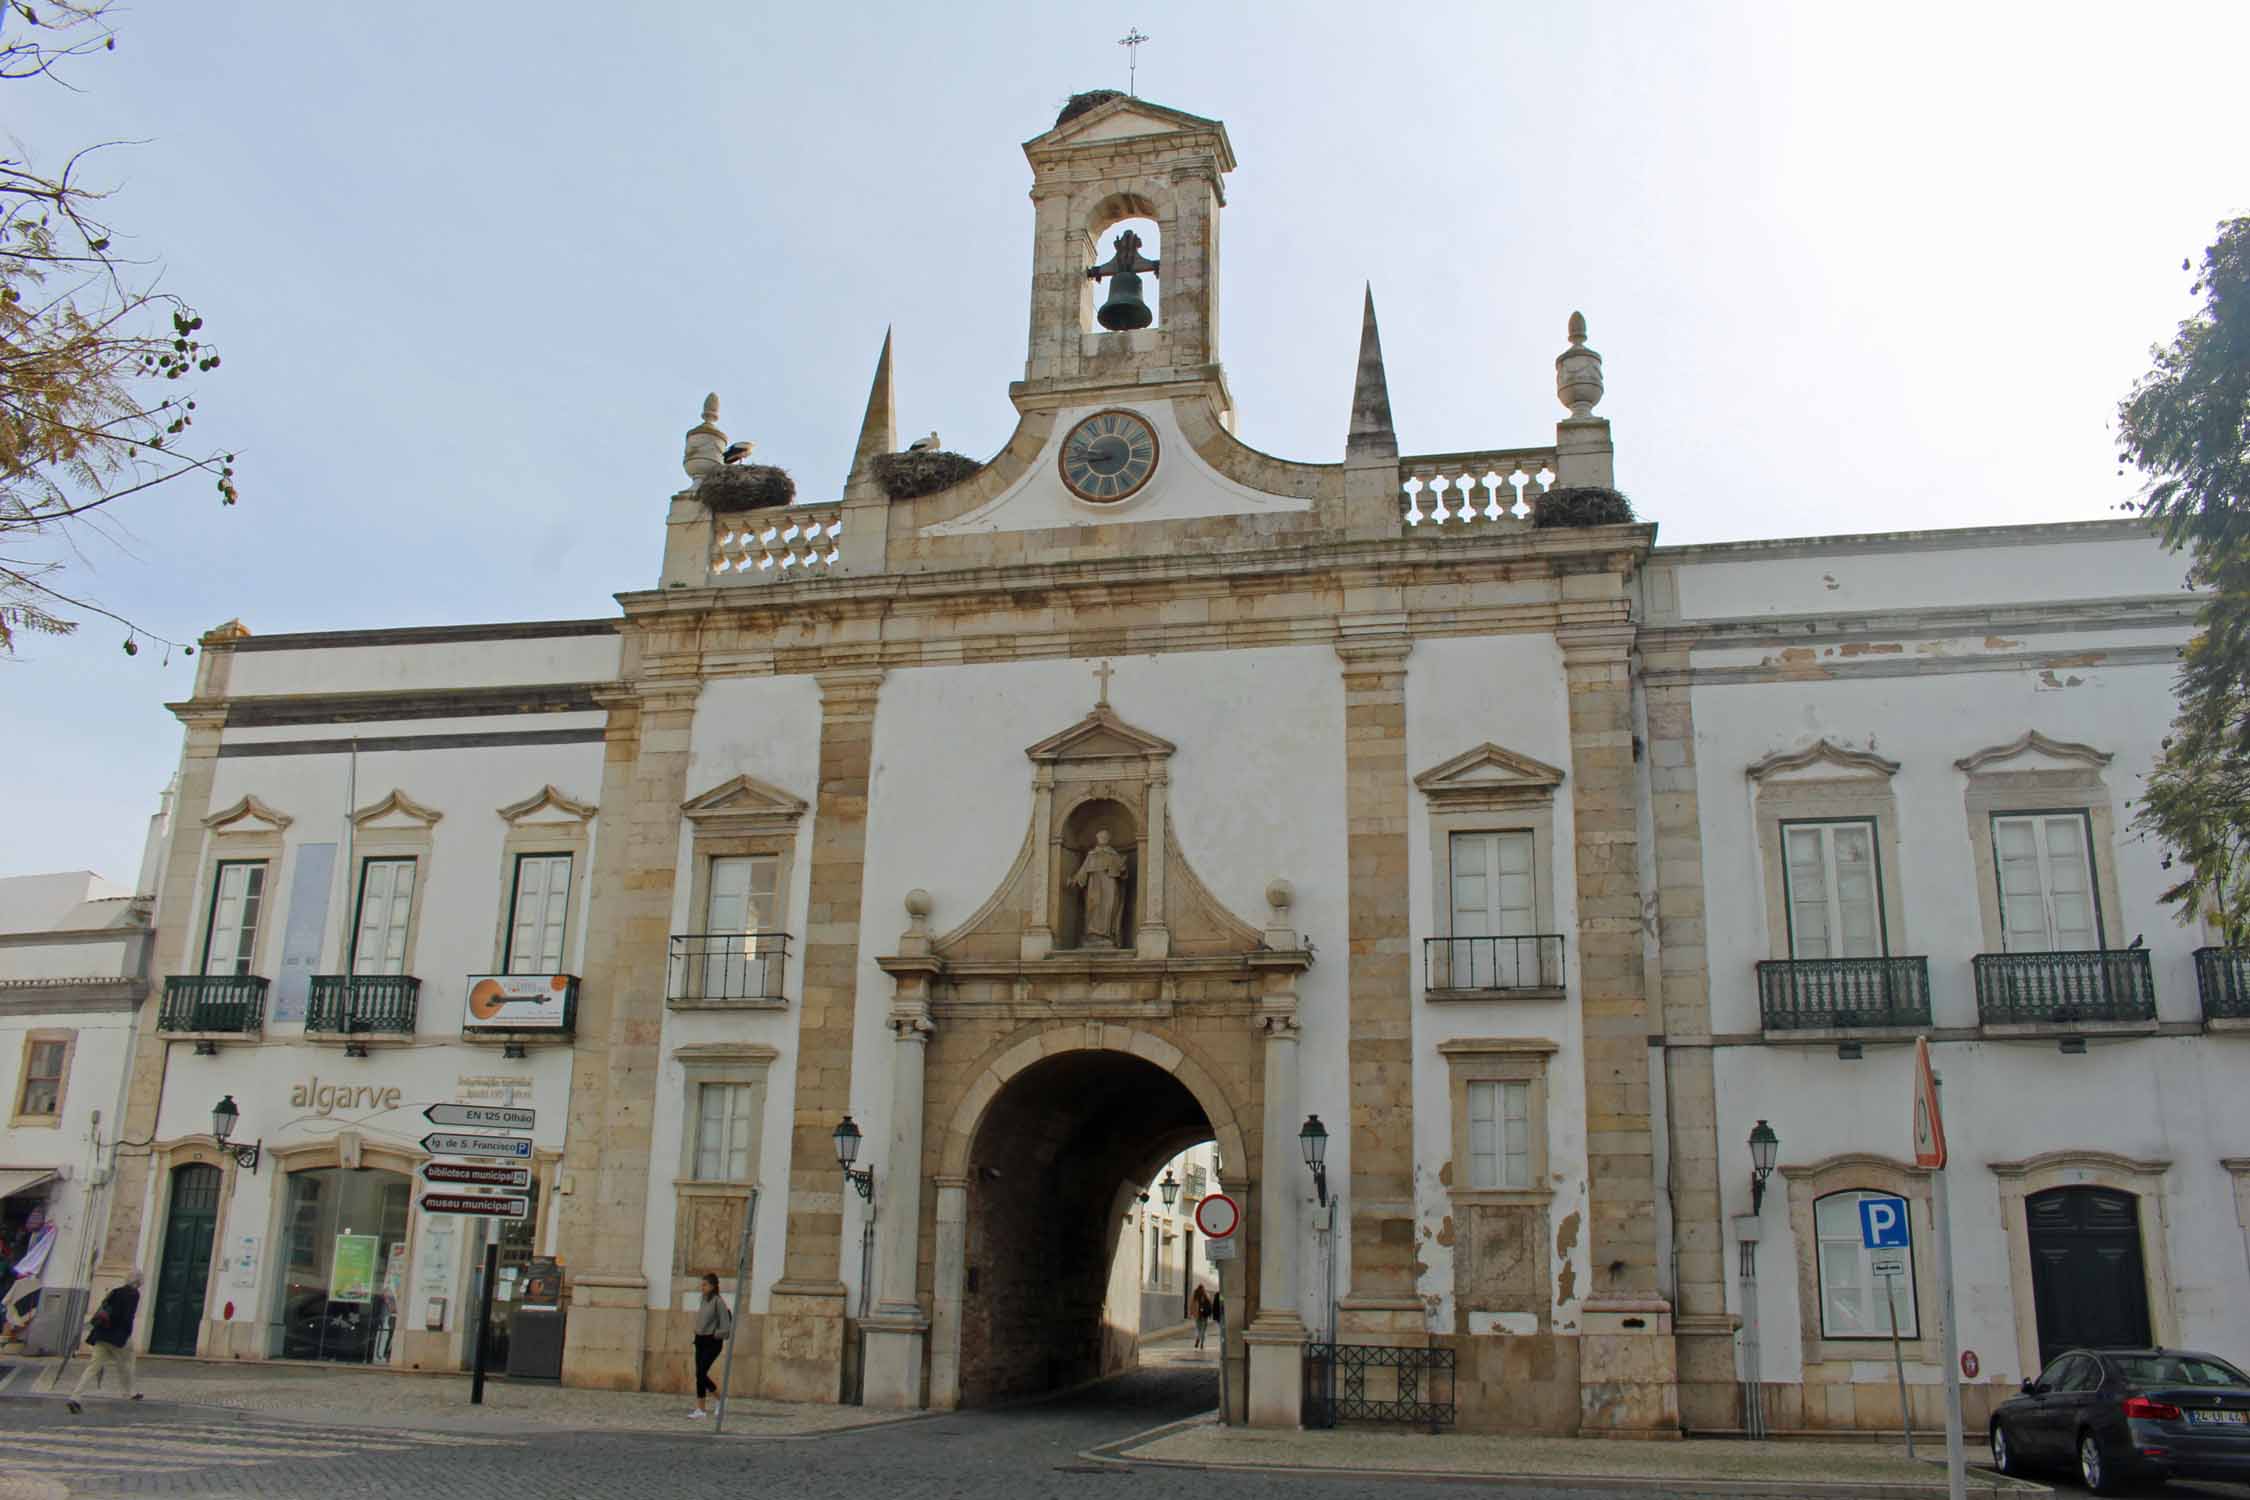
x,y
1882,1223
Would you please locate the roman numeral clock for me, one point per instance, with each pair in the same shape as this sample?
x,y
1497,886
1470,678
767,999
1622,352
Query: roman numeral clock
x,y
1108,456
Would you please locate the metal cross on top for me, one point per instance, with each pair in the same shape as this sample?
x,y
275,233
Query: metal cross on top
x,y
1105,672
1131,42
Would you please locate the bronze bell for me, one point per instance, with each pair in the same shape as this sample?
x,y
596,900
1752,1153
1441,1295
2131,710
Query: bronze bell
x,y
1126,308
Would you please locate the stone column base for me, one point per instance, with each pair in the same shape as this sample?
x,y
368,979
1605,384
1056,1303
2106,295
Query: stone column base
x,y
1276,1349
804,1348
892,1379
607,1332
1402,1322
1628,1369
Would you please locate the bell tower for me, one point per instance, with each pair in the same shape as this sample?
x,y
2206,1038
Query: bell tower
x,y
1109,158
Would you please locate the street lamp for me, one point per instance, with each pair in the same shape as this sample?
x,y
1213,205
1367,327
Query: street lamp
x,y
1170,1188
846,1138
1763,1144
223,1117
1314,1141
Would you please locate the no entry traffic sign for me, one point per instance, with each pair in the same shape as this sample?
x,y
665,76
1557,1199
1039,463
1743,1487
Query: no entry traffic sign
x,y
1218,1216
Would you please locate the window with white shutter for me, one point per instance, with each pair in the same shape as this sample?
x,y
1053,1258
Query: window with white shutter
x,y
386,902
1493,897
726,1122
238,899
1834,890
540,914
1499,1135
2045,867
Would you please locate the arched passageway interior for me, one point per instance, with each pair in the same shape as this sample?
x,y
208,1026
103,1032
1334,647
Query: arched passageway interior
x,y
1054,1170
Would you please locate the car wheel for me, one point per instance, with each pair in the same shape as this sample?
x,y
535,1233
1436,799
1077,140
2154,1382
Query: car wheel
x,y
2093,1467
2003,1452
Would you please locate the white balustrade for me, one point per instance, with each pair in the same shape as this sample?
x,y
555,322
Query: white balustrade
x,y
1474,491
769,546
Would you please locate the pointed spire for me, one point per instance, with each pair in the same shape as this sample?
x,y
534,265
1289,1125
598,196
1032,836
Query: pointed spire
x,y
1371,434
878,430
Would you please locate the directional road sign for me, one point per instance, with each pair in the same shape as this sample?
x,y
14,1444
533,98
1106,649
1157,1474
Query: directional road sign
x,y
479,1116
465,1174
1225,1249
1217,1216
450,1143
1882,1223
477,1206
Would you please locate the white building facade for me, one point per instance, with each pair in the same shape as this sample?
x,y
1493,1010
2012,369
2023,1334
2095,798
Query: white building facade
x,y
1134,789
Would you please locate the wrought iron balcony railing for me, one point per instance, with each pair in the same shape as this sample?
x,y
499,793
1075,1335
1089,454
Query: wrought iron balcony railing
x,y
363,1003
213,1003
1805,994
1531,962
727,966
2222,978
2099,984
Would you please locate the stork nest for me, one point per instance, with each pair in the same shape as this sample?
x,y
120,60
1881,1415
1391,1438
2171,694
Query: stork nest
x,y
740,487
1582,505
1080,103
909,476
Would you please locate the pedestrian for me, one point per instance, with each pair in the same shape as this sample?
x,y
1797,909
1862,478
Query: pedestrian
x,y
1219,1313
713,1323
110,1337
1200,1304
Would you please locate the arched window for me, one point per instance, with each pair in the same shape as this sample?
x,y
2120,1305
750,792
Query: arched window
x,y
1851,1294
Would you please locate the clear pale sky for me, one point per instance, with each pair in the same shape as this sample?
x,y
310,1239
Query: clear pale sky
x,y
473,267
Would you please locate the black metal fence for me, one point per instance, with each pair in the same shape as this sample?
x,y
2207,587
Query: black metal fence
x,y
1797,994
383,1003
1531,962
1377,1383
2222,977
213,1002
2100,984
727,965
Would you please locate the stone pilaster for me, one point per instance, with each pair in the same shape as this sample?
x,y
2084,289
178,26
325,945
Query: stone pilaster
x,y
174,954
1276,1336
616,1057
1626,1353
951,1254
1383,1305
804,1338
898,1328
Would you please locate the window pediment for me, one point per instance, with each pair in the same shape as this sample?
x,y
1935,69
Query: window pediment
x,y
1489,776
1821,759
743,805
2033,751
249,815
396,811
1101,735
548,805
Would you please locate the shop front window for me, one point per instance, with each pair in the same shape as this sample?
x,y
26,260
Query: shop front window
x,y
344,1235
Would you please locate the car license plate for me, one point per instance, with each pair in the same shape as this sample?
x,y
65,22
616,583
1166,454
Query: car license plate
x,y
2233,1418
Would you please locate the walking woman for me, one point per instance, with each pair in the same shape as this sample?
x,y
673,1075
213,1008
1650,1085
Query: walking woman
x,y
1200,1304
713,1323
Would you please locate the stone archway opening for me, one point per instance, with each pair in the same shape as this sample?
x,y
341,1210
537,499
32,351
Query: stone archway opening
x,y
1056,1167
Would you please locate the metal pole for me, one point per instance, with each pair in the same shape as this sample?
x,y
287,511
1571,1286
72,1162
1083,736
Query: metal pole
x,y
1753,1370
1956,1462
741,1291
484,1312
1898,1361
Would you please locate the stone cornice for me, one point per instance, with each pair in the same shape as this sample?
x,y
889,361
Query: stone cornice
x,y
1822,752
2047,1160
2032,742
1965,538
88,996
1928,622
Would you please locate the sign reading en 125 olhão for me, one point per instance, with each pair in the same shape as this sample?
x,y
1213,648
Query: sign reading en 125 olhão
x,y
452,1143
476,1205
480,1116
518,1002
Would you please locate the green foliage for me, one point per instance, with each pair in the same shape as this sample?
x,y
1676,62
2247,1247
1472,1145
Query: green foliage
x,y
909,476
2186,425
92,357
1582,505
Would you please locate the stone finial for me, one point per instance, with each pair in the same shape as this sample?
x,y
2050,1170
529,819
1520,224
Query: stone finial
x,y
1371,436
918,905
1280,894
706,444
916,941
1281,932
878,429
1578,372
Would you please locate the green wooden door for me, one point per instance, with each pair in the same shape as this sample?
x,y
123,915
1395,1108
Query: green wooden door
x,y
188,1232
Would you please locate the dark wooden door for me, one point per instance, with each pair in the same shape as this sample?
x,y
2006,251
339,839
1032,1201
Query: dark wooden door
x,y
2087,1283
188,1231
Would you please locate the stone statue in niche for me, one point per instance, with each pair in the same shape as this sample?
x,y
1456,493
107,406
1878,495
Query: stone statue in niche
x,y
1101,876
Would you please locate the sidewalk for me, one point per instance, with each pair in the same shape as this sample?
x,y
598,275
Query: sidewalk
x,y
1717,1467
440,1402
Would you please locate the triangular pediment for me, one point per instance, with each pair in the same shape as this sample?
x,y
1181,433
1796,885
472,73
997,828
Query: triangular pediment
x,y
744,796
396,811
1100,735
547,805
1489,771
1821,760
248,816
2033,751
1120,119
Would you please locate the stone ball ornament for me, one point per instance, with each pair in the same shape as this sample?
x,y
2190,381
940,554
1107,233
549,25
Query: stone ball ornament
x,y
917,902
1280,894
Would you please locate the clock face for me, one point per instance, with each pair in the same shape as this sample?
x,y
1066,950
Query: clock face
x,y
1108,456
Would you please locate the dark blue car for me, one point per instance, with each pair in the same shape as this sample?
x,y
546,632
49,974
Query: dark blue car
x,y
2119,1415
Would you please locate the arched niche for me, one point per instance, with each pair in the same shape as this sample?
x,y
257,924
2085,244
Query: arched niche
x,y
1080,835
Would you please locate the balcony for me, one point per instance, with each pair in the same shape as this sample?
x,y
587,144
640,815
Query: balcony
x,y
1477,968
719,970
2222,978
2103,986
1837,994
213,1007
357,1007
514,1009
